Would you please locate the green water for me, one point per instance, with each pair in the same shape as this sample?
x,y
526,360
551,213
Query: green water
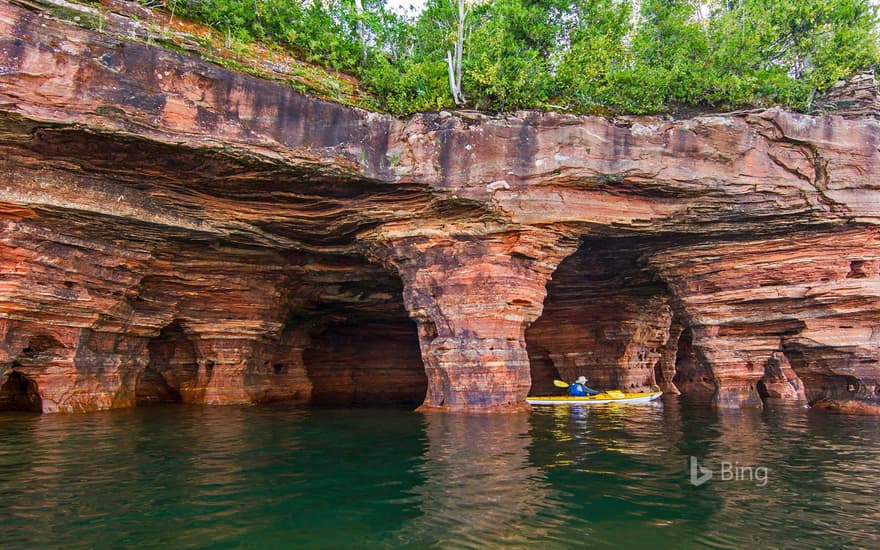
x,y
188,477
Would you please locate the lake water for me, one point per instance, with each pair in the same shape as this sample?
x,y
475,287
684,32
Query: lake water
x,y
277,477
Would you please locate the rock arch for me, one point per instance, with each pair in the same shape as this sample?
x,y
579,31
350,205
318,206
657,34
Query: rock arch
x,y
608,317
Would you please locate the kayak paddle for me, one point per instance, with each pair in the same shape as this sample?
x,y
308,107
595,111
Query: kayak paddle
x,y
561,384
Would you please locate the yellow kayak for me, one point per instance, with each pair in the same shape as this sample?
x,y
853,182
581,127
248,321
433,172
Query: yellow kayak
x,y
610,396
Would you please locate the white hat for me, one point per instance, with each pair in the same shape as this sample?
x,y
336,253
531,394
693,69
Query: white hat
x,y
581,380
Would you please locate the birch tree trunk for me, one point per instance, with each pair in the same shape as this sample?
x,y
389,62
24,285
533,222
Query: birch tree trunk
x,y
361,29
453,60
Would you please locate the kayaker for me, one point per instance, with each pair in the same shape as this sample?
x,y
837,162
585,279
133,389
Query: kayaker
x,y
580,389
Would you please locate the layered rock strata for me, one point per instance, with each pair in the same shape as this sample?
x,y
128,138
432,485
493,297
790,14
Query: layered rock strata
x,y
616,316
174,231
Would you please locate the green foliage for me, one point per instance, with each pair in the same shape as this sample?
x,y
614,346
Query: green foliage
x,y
410,87
593,72
595,56
322,32
506,66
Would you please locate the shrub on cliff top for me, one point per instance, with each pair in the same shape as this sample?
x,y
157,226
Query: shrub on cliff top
x,y
605,56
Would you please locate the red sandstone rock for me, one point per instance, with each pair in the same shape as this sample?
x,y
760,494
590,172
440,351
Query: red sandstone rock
x,y
778,309
170,230
605,317
473,299
849,406
366,363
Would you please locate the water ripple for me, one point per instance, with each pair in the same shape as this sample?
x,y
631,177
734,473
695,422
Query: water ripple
x,y
192,477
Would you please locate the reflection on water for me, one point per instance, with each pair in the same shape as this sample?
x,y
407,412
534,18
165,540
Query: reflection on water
x,y
279,477
478,483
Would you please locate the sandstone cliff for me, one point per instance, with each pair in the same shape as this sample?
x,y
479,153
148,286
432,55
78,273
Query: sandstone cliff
x,y
171,230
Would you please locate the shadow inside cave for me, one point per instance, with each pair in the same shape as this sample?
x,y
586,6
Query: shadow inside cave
x,y
19,393
373,363
609,317
173,367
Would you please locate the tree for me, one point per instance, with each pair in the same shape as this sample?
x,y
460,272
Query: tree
x,y
581,55
453,61
512,50
595,52
361,28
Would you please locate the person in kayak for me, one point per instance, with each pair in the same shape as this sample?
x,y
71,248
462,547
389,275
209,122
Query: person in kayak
x,y
580,389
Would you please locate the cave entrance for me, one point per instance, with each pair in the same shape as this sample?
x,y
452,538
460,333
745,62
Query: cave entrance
x,y
152,388
821,374
607,316
172,369
691,375
40,351
761,388
19,393
40,344
370,363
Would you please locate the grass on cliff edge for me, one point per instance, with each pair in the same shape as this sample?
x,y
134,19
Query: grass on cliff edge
x,y
130,21
605,57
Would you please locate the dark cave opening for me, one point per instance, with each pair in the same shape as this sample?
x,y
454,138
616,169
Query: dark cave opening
x,y
376,362
761,388
19,393
543,371
824,374
173,367
609,317
153,388
692,377
39,344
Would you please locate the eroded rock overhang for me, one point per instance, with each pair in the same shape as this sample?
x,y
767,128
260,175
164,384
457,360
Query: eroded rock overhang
x,y
174,231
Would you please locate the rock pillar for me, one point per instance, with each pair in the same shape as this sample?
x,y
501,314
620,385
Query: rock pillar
x,y
472,298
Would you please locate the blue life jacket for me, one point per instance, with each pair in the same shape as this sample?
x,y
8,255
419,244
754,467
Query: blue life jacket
x,y
578,390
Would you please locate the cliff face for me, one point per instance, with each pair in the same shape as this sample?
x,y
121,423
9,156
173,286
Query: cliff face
x,y
173,231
